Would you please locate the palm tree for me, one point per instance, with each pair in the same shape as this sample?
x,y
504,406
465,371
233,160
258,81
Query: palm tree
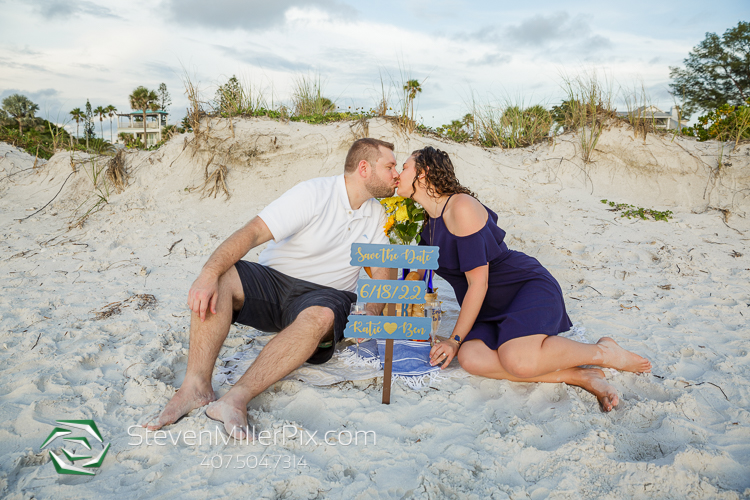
x,y
101,112
411,89
111,111
88,123
77,115
143,98
19,107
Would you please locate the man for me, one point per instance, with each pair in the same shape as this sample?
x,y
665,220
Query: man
x,y
301,286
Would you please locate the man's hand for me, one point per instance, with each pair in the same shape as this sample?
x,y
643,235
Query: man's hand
x,y
374,309
203,295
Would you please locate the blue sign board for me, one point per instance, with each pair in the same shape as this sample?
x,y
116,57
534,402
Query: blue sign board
x,y
391,291
394,256
388,327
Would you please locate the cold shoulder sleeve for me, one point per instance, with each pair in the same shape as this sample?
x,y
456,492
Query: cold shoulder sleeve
x,y
480,248
464,253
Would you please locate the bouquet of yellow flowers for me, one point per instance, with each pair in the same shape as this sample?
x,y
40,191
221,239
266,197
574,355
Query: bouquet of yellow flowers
x,y
405,219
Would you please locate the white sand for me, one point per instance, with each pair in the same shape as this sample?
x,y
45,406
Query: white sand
x,y
675,292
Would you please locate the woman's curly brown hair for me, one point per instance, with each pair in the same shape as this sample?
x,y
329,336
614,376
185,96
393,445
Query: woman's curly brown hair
x,y
439,174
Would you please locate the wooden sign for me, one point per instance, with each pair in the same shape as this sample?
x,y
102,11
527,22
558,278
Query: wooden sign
x,y
395,256
390,291
388,327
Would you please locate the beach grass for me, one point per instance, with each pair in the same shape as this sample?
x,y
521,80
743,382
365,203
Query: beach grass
x,y
638,102
588,107
510,123
308,98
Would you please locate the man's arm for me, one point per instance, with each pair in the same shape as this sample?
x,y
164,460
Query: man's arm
x,y
203,293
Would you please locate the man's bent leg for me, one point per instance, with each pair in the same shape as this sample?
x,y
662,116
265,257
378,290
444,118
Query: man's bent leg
x,y
283,354
206,339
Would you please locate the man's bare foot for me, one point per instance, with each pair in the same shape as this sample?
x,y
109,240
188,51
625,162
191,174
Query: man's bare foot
x,y
614,356
185,400
233,416
592,379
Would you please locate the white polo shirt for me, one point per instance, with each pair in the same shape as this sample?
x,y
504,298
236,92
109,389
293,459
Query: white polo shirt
x,y
314,226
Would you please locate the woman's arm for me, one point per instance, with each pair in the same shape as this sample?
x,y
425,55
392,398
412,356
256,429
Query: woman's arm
x,y
477,279
463,217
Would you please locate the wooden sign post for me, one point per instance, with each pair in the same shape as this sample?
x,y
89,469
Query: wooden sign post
x,y
390,327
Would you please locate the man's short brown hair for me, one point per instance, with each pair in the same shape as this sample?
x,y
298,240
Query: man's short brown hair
x,y
364,149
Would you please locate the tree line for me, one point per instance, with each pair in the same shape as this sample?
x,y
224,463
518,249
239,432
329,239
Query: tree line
x,y
715,81
22,111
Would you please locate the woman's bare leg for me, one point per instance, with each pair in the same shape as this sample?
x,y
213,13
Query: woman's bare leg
x,y
478,359
536,355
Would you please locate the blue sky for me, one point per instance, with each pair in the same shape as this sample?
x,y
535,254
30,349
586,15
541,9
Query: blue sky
x,y
61,53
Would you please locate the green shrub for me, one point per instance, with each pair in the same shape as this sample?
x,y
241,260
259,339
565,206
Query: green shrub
x,y
39,138
631,211
236,98
512,125
726,123
457,130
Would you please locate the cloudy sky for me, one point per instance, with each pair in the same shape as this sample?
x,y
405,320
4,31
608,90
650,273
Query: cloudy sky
x,y
59,53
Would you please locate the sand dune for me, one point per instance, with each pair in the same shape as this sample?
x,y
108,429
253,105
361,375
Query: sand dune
x,y
93,324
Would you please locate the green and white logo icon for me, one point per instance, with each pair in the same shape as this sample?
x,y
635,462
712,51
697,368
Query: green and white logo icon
x,y
91,463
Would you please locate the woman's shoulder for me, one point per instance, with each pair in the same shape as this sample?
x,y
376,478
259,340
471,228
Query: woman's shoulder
x,y
465,215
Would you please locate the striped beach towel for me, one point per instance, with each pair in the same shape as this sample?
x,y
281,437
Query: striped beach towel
x,y
411,362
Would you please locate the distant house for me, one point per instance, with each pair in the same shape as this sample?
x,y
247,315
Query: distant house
x,y
132,124
667,121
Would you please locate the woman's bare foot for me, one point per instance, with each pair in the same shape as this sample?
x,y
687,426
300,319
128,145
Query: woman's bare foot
x,y
185,400
614,356
232,416
592,379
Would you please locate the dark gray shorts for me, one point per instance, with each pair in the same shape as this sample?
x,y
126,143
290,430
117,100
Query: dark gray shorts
x,y
273,300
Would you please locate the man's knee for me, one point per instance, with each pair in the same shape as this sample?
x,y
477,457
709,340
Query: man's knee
x,y
230,281
320,318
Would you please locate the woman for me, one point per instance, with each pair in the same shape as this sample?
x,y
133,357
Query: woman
x,y
511,307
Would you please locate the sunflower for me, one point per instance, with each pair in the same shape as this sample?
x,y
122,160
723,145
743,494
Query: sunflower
x,y
391,203
404,220
389,224
402,214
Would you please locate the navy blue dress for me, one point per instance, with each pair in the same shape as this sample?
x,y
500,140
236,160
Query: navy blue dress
x,y
522,296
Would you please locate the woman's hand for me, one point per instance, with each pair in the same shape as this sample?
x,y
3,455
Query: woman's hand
x,y
443,350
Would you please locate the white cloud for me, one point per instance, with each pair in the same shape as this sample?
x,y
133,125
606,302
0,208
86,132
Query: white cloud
x,y
105,60
59,9
247,15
